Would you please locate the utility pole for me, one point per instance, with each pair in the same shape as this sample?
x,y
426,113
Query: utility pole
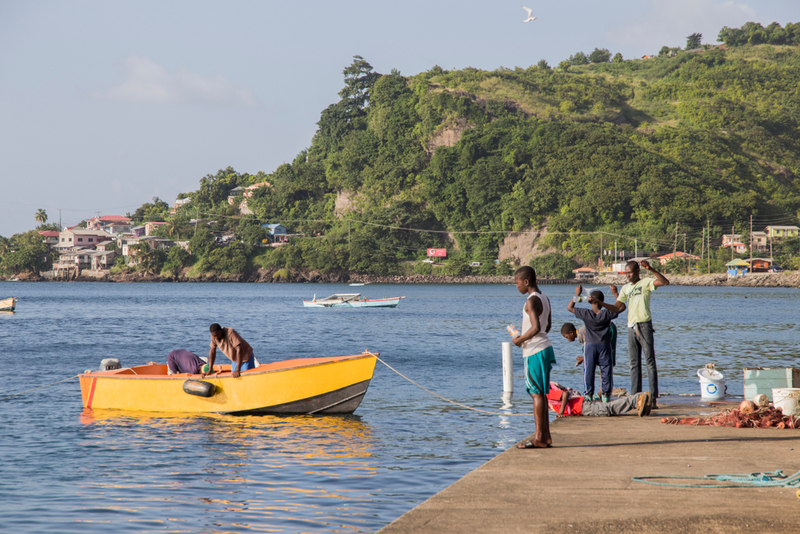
x,y
635,248
602,263
675,243
751,242
708,240
733,230
703,246
615,251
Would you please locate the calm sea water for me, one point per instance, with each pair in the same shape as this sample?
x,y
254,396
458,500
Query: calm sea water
x,y
69,470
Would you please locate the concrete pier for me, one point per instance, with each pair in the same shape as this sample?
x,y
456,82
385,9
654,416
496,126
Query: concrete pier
x,y
584,482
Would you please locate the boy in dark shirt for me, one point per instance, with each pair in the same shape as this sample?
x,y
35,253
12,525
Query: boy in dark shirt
x,y
597,346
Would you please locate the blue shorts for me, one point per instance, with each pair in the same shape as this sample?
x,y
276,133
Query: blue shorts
x,y
537,371
249,364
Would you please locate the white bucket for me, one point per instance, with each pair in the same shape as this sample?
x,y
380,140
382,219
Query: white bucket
x,y
787,399
712,384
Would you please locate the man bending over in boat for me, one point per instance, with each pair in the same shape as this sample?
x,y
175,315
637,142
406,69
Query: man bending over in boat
x,y
183,361
233,346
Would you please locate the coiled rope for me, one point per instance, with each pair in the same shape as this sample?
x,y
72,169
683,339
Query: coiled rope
x,y
40,387
774,479
451,401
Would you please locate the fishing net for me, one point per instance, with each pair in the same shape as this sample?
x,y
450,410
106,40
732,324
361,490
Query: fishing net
x,y
767,417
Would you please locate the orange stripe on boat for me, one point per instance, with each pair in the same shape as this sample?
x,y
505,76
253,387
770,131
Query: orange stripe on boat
x,y
91,393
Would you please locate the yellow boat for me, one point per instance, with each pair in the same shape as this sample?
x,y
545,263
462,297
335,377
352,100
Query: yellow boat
x,y
332,385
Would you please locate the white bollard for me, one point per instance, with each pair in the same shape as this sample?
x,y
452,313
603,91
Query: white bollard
x,y
508,368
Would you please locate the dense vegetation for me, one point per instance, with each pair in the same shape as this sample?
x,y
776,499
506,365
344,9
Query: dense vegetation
x,y
656,150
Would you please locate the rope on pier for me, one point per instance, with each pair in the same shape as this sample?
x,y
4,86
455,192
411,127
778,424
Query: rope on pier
x,y
775,479
451,401
40,387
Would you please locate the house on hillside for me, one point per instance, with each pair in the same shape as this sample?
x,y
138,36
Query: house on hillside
x,y
149,227
779,232
276,233
734,241
82,237
113,224
759,241
49,237
679,255
178,204
246,192
583,273
71,261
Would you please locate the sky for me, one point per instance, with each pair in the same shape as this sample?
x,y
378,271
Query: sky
x,y
107,104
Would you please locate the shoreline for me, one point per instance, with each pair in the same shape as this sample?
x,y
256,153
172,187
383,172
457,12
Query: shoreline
x,y
789,279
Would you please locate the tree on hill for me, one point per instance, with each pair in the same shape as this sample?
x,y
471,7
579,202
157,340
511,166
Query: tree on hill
x,y
579,59
543,65
358,80
41,216
754,33
156,211
617,58
694,41
600,55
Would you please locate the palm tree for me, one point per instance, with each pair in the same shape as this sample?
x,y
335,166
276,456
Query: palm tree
x,y
41,216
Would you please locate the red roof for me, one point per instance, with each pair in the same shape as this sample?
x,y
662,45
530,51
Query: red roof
x,y
679,254
48,233
114,218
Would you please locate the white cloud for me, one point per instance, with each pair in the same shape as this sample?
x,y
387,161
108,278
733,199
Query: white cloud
x,y
147,82
669,22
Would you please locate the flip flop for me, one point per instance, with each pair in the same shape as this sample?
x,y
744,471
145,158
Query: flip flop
x,y
529,445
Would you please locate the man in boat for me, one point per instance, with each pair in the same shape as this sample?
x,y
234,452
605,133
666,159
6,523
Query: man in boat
x,y
233,346
183,361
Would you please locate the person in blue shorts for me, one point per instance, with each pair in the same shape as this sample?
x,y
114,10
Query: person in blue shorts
x,y
537,352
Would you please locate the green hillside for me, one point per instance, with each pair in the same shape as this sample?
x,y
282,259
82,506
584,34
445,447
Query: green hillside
x,y
629,148
653,150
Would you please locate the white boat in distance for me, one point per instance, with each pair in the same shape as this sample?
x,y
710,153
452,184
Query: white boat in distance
x,y
351,300
10,303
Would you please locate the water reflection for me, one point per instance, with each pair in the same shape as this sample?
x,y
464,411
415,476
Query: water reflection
x,y
237,473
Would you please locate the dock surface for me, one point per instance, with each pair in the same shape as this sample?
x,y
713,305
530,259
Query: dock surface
x,y
584,482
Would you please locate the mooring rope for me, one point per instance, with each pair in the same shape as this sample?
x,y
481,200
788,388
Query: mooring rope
x,y
451,401
40,387
775,479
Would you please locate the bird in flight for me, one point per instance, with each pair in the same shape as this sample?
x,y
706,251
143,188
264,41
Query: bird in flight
x,y
530,18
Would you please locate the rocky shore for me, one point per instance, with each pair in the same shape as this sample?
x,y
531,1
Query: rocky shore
x,y
786,279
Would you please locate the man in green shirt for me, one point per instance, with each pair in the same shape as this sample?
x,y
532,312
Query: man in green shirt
x,y
635,297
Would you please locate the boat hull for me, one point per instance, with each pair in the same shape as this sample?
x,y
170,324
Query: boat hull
x,y
367,303
333,385
8,304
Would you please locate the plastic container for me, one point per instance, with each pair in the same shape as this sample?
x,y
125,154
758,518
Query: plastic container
x,y
787,399
712,384
512,330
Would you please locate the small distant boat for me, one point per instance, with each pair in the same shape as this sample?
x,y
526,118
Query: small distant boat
x,y
8,304
327,385
351,300
358,284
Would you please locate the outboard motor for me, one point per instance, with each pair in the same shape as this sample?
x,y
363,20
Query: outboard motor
x,y
109,364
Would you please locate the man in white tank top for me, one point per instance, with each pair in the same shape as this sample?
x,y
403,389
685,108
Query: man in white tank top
x,y
537,352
